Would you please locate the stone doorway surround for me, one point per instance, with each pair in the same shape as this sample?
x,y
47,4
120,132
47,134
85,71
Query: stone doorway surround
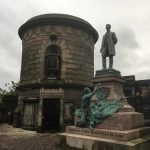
x,y
51,114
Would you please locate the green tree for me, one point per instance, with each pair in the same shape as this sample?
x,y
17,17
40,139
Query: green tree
x,y
12,89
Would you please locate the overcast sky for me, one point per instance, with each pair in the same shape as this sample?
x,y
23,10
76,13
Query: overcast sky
x,y
130,20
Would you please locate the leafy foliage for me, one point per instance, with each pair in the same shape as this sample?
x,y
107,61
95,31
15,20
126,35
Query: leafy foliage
x,y
12,89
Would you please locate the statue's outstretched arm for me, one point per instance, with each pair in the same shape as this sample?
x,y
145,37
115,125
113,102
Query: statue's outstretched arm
x,y
90,94
96,89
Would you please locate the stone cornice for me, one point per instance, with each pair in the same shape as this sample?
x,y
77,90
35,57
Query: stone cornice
x,y
52,84
59,19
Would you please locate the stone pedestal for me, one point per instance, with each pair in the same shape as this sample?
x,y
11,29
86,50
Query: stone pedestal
x,y
122,121
126,118
112,79
104,139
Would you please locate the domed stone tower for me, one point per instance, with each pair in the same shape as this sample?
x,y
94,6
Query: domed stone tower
x,y
57,62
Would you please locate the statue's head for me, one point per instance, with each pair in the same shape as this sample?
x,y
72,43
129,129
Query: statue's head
x,y
86,90
108,27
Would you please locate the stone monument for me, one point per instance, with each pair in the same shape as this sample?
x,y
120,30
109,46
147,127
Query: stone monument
x,y
57,63
123,128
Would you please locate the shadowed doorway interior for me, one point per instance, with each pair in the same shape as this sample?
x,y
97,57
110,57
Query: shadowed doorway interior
x,y
51,115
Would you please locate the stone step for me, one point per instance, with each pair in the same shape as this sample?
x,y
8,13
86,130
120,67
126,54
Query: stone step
x,y
125,135
82,142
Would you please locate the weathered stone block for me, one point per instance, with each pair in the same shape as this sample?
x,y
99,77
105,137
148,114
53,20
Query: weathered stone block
x,y
122,121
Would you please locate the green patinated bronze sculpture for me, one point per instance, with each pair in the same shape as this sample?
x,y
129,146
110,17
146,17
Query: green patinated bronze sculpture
x,y
83,111
92,113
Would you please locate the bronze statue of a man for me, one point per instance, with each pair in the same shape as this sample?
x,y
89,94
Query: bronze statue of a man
x,y
108,46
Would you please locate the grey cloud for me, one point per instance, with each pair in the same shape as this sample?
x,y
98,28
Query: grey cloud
x,y
10,46
8,75
126,48
15,13
141,75
127,38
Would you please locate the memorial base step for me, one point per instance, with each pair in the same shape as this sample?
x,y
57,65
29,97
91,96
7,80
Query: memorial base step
x,y
125,135
82,142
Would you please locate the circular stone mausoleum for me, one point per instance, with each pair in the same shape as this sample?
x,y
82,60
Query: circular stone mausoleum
x,y
57,63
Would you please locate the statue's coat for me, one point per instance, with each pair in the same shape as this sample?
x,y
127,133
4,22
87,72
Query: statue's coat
x,y
108,44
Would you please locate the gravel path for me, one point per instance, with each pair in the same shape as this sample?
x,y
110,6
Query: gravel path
x,y
19,139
